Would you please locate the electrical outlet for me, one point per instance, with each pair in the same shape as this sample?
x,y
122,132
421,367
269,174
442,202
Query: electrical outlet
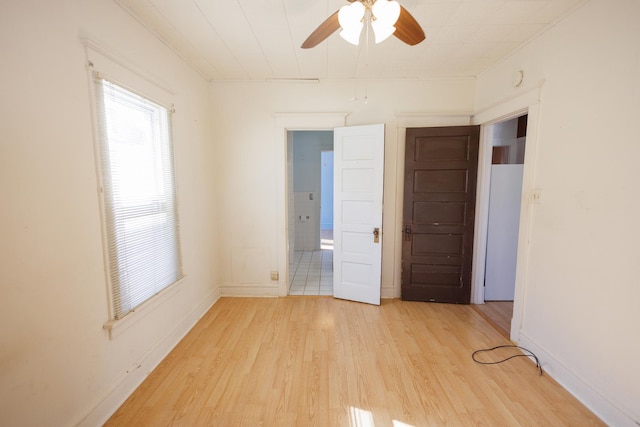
x,y
537,196
274,275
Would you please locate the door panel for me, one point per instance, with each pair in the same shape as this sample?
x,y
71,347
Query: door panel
x,y
358,180
439,204
451,213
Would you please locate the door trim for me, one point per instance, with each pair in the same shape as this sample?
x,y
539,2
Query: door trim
x,y
525,103
285,122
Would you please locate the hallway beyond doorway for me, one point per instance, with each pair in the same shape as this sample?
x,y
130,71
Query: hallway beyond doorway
x,y
311,273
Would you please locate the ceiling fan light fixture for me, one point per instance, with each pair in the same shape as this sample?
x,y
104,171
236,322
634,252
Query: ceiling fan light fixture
x,y
385,15
386,11
352,34
386,18
350,18
381,31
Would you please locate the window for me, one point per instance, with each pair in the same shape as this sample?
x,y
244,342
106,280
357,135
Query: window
x,y
139,196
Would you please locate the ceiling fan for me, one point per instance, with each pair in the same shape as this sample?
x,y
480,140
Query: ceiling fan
x,y
386,17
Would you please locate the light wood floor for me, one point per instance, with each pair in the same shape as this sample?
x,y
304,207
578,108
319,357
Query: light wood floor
x,y
498,314
305,361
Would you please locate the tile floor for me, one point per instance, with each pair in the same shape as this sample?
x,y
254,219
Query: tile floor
x,y
311,273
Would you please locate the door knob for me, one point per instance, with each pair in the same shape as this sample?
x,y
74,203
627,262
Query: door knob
x,y
376,235
407,233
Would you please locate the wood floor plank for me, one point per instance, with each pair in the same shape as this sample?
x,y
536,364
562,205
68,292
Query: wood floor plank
x,y
320,361
498,313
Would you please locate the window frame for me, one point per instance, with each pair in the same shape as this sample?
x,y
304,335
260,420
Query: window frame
x,y
132,80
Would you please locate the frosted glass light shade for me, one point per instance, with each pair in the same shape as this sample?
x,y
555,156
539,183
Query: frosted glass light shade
x,y
386,14
352,35
350,19
382,32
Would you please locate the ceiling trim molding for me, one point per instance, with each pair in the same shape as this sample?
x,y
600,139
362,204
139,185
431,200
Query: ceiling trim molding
x,y
437,118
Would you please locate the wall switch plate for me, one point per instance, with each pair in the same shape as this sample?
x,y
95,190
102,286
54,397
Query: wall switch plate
x,y
274,275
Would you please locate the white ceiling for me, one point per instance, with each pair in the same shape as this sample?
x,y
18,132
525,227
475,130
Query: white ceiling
x,y
260,39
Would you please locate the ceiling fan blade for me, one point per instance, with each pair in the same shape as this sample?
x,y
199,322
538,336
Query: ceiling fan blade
x,y
407,28
324,30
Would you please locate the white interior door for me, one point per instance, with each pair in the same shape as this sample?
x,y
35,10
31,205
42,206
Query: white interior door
x,y
357,228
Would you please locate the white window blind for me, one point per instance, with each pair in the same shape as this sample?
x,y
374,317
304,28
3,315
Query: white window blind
x,y
139,196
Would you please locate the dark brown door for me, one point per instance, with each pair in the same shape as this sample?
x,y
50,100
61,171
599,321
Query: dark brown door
x,y
439,210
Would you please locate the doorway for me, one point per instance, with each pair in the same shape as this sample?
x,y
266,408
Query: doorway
x,y
505,198
310,195
358,187
505,194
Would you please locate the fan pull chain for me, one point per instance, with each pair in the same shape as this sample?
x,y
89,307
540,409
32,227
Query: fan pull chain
x,y
366,56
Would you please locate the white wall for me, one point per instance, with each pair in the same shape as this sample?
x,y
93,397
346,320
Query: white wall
x,y
57,364
250,152
581,288
326,190
502,232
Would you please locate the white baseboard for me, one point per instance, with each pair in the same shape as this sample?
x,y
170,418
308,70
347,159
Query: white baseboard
x,y
599,404
387,292
254,290
130,381
261,291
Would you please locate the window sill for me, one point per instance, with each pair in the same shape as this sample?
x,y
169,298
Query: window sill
x,y
118,326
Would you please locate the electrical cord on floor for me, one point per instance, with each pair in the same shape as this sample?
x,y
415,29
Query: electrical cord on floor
x,y
484,350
